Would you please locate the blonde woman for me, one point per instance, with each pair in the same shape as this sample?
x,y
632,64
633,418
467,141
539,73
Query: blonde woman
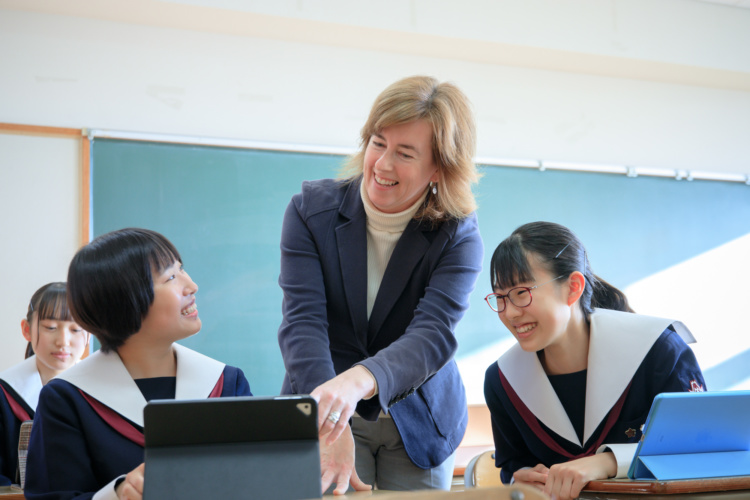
x,y
376,269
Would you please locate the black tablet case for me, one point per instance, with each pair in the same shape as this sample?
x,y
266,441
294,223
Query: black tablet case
x,y
242,447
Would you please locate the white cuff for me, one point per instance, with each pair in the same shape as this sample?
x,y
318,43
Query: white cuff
x,y
623,453
108,492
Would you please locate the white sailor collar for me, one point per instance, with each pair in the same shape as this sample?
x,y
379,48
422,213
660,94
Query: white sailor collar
x,y
627,336
105,378
24,378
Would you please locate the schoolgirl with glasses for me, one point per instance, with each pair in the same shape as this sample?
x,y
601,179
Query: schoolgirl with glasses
x,y
569,398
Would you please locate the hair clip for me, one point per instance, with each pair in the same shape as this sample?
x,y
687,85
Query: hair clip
x,y
561,251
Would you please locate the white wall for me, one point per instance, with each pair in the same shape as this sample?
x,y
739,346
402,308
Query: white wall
x,y
39,226
634,82
82,72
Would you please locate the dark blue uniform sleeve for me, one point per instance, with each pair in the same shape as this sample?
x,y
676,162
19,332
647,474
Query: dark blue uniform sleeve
x,y
235,383
672,362
59,462
8,461
511,452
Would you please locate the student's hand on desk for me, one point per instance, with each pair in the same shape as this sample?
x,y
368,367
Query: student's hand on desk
x,y
536,476
132,487
341,395
565,481
337,465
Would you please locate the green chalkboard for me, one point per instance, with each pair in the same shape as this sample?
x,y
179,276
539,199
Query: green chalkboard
x,y
223,209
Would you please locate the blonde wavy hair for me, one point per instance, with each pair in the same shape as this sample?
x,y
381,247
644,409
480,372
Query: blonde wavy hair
x,y
453,140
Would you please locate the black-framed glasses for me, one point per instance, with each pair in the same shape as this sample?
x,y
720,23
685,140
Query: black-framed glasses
x,y
519,296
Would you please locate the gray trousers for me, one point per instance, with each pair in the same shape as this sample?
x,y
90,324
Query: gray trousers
x,y
381,460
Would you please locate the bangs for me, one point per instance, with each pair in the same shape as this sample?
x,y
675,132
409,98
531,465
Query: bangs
x,y
53,304
161,254
510,265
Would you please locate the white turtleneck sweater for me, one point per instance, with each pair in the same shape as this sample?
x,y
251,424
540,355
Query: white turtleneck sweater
x,y
383,232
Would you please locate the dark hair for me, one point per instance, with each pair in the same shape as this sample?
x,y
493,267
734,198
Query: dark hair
x,y
110,283
49,302
560,251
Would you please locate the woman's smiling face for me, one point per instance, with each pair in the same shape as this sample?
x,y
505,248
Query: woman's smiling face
x,y
398,165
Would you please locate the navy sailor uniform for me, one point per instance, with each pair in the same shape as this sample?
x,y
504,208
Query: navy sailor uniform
x,y
631,359
88,431
19,393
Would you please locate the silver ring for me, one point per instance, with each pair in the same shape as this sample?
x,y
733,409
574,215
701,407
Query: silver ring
x,y
334,416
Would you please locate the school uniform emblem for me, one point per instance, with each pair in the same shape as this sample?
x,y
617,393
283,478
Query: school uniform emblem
x,y
630,433
696,387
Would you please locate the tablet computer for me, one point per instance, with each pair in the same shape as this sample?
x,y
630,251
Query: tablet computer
x,y
689,435
239,447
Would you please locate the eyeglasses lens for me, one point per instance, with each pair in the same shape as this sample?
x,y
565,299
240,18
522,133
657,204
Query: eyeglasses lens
x,y
519,297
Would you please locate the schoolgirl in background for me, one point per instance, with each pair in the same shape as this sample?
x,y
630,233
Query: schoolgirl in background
x,y
569,399
129,289
55,343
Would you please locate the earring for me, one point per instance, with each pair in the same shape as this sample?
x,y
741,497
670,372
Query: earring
x,y
434,187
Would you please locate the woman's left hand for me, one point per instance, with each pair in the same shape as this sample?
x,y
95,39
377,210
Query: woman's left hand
x,y
337,465
337,399
566,480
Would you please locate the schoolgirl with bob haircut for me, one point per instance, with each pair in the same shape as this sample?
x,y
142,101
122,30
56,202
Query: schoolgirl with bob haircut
x,y
569,399
128,288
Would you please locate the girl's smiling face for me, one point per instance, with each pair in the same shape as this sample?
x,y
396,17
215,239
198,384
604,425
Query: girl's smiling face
x,y
173,315
543,322
57,344
398,165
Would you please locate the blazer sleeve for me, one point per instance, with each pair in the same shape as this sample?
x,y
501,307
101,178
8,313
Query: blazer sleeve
x,y
235,383
59,462
303,334
428,342
670,366
7,421
511,452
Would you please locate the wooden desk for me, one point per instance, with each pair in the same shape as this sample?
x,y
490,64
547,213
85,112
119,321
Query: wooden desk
x,y
10,493
709,495
622,489
494,493
728,488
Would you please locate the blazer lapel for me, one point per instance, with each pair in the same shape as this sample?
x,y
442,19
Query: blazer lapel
x,y
409,250
351,241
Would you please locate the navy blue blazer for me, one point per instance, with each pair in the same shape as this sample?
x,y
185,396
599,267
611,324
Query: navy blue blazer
x,y
408,343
